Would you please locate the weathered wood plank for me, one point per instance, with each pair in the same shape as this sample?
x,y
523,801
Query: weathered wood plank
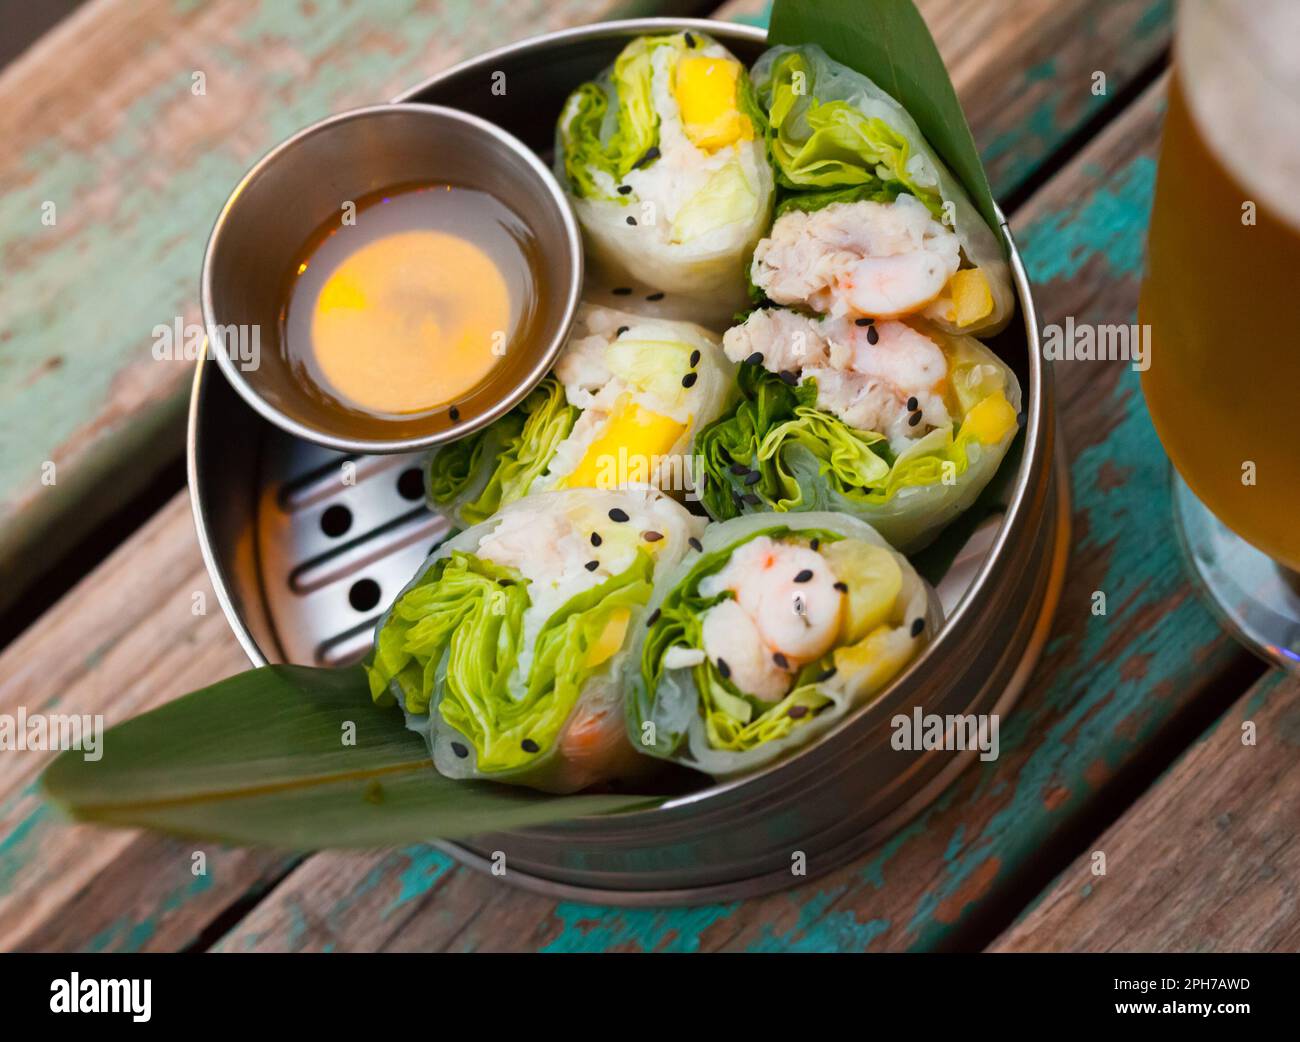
x,y
122,641
106,121
1106,685
1024,69
1207,860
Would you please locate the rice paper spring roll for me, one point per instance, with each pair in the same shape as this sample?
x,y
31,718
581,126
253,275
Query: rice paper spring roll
x,y
870,222
505,650
665,163
779,626
901,425
621,407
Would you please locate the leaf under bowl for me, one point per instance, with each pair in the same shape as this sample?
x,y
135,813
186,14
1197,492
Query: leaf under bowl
x,y
263,758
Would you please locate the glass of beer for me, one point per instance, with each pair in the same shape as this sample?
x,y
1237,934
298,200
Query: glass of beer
x,y
1221,295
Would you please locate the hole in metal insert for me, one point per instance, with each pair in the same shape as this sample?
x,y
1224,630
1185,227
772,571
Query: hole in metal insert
x,y
411,484
364,594
336,521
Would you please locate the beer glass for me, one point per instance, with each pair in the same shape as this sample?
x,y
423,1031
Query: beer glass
x,y
1221,294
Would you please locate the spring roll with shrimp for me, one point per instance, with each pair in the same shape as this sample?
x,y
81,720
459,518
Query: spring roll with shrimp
x,y
621,407
899,424
665,163
505,650
774,629
870,224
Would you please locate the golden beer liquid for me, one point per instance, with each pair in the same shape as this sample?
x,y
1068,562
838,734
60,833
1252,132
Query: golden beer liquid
x,y
1222,297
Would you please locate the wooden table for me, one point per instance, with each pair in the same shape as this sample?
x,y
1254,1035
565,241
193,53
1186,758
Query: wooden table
x,y
1128,741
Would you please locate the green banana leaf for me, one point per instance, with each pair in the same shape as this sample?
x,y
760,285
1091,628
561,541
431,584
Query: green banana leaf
x,y
296,758
888,41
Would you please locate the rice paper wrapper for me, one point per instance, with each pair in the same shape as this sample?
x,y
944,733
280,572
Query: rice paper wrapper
x,y
591,745
667,721
913,514
829,81
538,446
656,209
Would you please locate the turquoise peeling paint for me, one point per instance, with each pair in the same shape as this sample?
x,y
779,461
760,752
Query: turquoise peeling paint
x,y
1058,245
425,866
591,928
818,929
131,935
17,849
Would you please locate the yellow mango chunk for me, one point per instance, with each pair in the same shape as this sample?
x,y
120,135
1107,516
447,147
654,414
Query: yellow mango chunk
x,y
624,452
606,646
874,580
705,89
878,654
972,299
990,420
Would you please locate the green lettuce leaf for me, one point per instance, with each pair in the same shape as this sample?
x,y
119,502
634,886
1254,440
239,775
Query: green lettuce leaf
x,y
778,430
464,608
453,642
824,145
596,136
518,447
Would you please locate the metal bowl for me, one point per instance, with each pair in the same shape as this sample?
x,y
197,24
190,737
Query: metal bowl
x,y
294,593
296,189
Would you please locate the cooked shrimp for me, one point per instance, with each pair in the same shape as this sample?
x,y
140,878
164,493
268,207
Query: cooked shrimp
x,y
786,612
883,376
881,260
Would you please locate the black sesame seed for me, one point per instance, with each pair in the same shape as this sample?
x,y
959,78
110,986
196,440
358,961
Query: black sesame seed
x,y
827,675
505,582
624,189
740,469
753,477
591,566
689,379
750,499
454,413
797,711
651,154
696,544
913,404
595,539
654,296
781,660
790,377
804,576
654,617
459,750
815,544
863,321
842,587
695,358
724,669
690,40
914,419
622,291
529,746
618,515
620,331
652,537
631,219
917,626
873,336
756,358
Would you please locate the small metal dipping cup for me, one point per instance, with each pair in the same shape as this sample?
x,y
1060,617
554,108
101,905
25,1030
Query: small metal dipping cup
x,y
300,186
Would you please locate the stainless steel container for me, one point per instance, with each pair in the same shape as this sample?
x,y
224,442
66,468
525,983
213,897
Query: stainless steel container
x,y
303,563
